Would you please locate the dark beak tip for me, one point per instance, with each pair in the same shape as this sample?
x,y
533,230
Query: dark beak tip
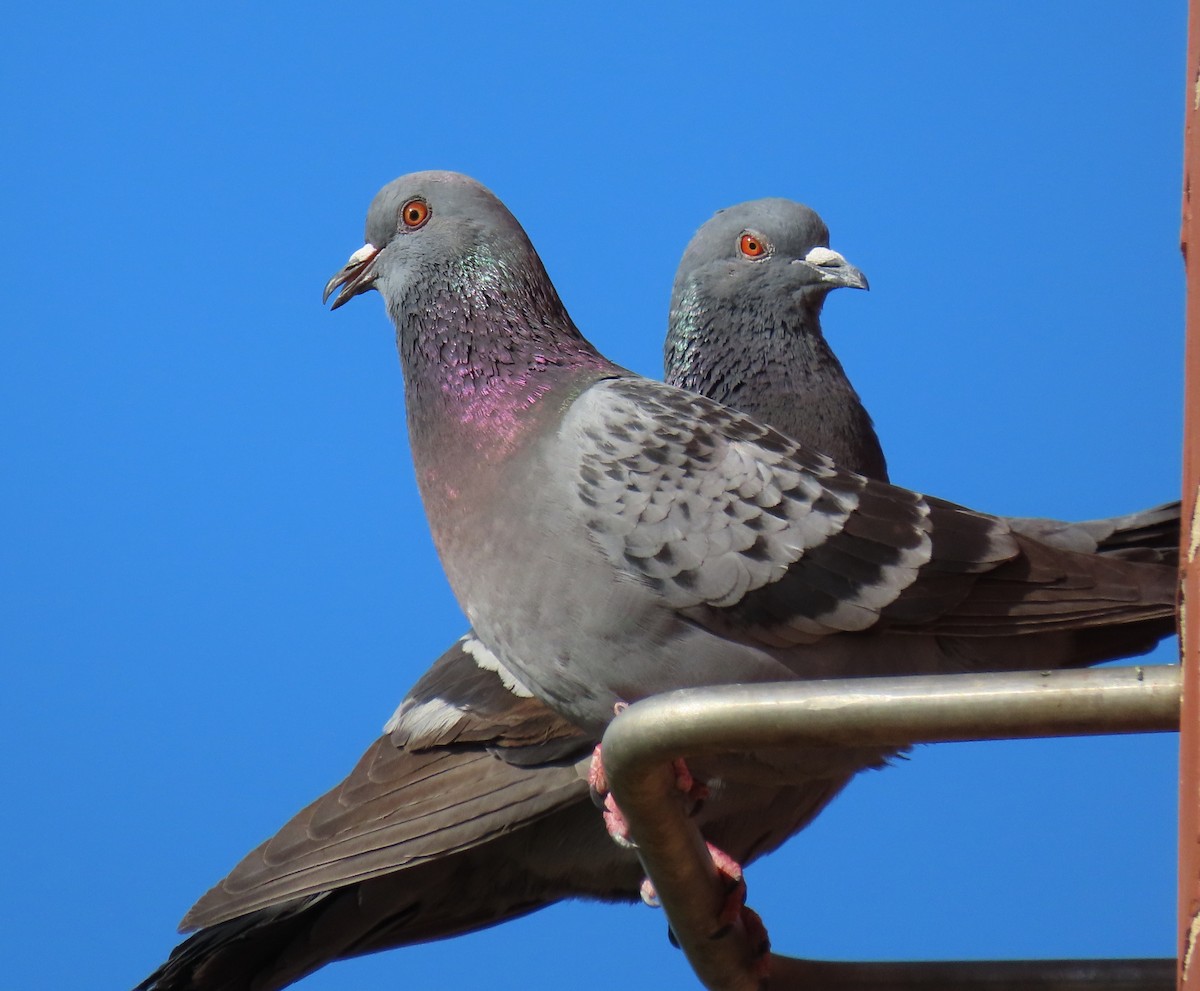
x,y
357,276
331,288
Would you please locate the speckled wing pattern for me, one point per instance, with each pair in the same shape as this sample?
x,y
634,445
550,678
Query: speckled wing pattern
x,y
751,534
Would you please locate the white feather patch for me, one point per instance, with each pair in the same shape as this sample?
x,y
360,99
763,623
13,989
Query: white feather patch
x,y
431,717
490,662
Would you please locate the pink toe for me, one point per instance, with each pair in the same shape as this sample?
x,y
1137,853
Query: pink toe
x,y
597,779
725,863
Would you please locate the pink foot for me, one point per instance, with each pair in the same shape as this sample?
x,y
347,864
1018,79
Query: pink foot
x,y
614,821
597,779
728,868
696,791
735,901
734,906
734,911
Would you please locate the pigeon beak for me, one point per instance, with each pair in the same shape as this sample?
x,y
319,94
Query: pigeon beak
x,y
835,269
356,276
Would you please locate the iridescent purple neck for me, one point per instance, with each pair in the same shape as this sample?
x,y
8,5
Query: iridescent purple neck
x,y
478,364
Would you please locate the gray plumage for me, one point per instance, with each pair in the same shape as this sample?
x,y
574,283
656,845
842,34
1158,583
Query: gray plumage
x,y
610,537
746,331
470,810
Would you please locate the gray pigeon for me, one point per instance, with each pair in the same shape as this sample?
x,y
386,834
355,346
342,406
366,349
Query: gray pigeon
x,y
355,872
745,330
610,537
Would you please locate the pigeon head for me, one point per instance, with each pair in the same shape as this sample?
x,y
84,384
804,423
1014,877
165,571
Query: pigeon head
x,y
461,279
774,248
480,329
429,229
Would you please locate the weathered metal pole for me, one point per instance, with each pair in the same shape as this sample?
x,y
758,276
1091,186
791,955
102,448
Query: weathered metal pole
x,y
1189,622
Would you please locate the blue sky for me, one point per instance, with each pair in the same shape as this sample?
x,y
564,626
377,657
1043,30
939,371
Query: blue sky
x,y
218,580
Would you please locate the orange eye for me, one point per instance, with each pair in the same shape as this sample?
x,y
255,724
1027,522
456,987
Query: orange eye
x,y
752,246
414,213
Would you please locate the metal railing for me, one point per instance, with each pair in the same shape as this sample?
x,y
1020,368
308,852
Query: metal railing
x,y
639,746
898,711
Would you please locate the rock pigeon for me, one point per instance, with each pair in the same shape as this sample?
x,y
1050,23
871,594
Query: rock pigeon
x,y
356,872
745,330
611,537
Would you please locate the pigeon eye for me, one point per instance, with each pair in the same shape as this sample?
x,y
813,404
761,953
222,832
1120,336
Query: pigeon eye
x,y
752,246
414,213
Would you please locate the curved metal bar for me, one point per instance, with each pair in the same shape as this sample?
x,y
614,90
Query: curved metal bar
x,y
639,745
